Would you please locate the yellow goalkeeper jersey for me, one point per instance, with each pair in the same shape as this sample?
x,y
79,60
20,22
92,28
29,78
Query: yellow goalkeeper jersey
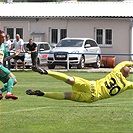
x,y
114,83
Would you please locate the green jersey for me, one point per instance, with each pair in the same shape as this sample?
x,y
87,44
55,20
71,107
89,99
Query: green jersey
x,y
4,72
3,53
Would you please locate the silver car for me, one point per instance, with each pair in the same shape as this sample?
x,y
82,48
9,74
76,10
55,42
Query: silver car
x,y
77,52
43,49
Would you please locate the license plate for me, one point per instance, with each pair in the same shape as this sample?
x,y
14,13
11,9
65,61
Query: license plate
x,y
61,56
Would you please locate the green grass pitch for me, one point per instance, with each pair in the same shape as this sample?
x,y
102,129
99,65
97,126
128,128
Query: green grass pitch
x,y
32,114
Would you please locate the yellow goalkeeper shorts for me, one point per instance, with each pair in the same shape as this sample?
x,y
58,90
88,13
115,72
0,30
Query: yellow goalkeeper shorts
x,y
82,90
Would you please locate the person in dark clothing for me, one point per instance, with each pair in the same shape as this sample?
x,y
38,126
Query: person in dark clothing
x,y
31,48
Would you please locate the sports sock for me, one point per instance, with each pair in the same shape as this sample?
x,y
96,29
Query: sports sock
x,y
58,75
4,88
54,95
10,84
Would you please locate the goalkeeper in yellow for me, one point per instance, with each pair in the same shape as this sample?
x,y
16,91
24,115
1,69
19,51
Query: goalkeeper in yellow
x,y
89,91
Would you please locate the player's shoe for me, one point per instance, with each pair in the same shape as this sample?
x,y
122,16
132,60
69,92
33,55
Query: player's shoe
x,y
39,70
36,92
1,97
8,96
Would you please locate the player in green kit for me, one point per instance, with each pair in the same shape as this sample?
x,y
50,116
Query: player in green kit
x,y
6,76
89,91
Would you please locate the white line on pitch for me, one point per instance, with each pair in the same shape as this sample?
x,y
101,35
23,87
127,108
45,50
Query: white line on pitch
x,y
39,108
24,110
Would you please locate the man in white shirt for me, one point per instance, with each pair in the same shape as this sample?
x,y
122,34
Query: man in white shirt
x,y
18,45
7,43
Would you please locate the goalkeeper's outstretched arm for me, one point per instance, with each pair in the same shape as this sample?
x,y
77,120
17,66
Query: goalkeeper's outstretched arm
x,y
123,64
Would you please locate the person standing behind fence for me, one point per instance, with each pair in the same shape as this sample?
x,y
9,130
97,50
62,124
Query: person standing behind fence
x,y
31,48
18,45
7,43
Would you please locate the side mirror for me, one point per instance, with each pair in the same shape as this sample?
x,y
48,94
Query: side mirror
x,y
87,46
53,45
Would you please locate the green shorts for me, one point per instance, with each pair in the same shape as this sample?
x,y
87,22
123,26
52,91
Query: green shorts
x,y
4,72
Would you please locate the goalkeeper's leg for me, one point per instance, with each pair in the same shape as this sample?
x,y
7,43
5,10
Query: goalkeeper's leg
x,y
62,76
52,95
58,95
57,75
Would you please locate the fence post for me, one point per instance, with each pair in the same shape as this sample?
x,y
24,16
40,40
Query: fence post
x,y
67,61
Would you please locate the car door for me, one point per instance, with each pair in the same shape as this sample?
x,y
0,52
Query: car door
x,y
91,50
43,48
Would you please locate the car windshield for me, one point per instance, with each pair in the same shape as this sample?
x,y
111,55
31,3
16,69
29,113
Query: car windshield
x,y
43,46
70,43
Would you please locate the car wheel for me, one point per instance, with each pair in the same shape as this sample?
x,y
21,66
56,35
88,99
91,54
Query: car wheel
x,y
82,63
51,66
97,64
